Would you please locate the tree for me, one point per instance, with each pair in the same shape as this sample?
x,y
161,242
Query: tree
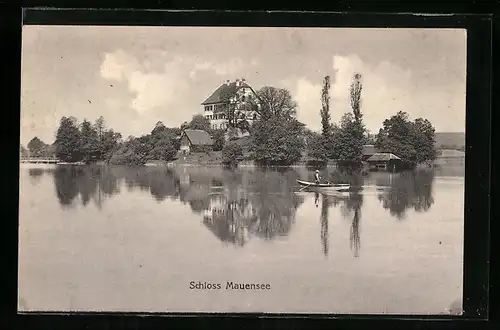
x,y
199,122
423,140
37,147
277,141
325,110
100,127
109,144
316,151
90,144
355,96
350,139
232,154
23,151
219,140
68,146
413,142
276,102
163,141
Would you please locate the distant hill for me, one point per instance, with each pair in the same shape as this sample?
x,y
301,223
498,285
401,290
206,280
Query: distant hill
x,y
450,140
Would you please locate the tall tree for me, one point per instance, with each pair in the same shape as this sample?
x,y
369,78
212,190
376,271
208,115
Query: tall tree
x,y
350,139
325,109
100,127
68,146
90,142
355,96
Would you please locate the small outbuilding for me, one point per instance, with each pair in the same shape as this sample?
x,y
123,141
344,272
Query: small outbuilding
x,y
384,161
194,140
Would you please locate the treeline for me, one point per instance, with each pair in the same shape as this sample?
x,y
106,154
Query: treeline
x,y
278,138
89,143
37,148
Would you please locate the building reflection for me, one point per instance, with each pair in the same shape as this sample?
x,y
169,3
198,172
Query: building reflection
x,y
253,204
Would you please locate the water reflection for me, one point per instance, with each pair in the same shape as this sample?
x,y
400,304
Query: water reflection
x,y
236,205
412,189
350,209
35,175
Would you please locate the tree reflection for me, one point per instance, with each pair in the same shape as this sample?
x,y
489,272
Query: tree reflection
x,y
324,223
412,189
350,206
65,180
250,203
35,174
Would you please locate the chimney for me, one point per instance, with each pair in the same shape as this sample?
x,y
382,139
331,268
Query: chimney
x,y
227,82
243,80
237,83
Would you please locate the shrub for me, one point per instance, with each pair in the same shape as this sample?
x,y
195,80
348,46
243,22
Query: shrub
x,y
232,154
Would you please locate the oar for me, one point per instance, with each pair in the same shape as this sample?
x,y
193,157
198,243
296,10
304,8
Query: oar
x,y
304,187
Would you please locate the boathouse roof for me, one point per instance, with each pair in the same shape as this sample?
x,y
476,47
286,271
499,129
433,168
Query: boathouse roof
x,y
383,157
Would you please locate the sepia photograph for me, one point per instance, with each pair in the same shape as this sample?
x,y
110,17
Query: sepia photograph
x,y
242,170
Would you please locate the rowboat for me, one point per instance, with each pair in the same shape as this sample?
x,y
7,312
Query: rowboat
x,y
329,186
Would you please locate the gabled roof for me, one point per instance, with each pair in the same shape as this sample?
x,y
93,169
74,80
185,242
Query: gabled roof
x,y
198,137
369,150
224,92
382,156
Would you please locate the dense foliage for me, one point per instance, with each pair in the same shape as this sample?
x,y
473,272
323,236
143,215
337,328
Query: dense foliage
x,y
277,141
219,139
412,141
316,151
350,139
90,143
232,154
199,122
37,148
161,144
68,140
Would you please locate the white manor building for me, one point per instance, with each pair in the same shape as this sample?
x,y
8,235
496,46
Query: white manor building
x,y
237,94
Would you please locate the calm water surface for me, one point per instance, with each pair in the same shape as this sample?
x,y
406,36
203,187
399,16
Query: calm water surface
x,y
125,239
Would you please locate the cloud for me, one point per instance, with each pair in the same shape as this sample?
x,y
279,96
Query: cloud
x,y
153,89
387,89
118,65
230,67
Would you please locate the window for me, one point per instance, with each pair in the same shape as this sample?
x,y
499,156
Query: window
x,y
243,98
254,116
206,108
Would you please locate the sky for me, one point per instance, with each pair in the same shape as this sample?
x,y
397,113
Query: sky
x,y
137,76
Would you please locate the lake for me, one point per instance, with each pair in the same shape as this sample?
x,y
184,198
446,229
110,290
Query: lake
x,y
97,238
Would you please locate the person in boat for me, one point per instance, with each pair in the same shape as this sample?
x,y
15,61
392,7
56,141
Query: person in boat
x,y
317,177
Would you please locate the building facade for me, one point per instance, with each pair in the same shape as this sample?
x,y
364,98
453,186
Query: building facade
x,y
234,101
